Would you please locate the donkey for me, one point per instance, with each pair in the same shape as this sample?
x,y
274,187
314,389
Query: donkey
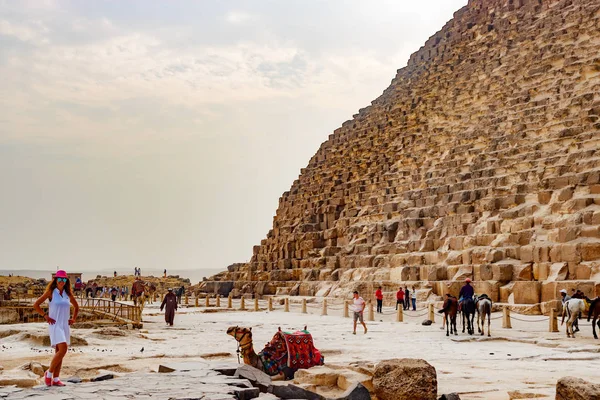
x,y
484,307
468,311
594,313
571,309
450,309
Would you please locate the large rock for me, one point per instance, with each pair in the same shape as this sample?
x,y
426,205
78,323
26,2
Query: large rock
x,y
8,316
405,379
571,388
257,377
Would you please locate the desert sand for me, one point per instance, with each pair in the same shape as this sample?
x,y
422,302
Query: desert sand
x,y
526,358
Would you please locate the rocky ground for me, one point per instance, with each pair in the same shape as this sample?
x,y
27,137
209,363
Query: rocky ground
x,y
521,362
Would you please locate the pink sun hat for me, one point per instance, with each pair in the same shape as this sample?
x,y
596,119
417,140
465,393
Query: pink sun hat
x,y
60,274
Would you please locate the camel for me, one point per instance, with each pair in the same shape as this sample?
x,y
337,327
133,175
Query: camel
x,y
450,309
594,313
273,359
468,311
484,307
571,309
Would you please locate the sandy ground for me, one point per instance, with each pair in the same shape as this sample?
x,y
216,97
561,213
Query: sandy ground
x,y
525,358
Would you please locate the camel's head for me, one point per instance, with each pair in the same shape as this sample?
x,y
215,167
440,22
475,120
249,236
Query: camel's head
x,y
239,333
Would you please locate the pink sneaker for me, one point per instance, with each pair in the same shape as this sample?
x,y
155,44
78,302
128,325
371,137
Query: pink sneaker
x,y
58,383
47,380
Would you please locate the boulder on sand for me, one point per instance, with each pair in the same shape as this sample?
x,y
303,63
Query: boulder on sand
x,y
405,379
571,388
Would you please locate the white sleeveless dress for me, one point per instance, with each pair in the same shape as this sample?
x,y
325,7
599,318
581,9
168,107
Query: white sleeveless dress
x,y
59,309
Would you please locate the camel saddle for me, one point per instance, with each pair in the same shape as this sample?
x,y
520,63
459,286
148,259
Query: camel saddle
x,y
293,350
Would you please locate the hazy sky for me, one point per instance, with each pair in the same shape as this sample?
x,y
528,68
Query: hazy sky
x,y
162,133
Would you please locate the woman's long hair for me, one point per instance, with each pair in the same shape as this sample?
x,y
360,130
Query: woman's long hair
x,y
52,285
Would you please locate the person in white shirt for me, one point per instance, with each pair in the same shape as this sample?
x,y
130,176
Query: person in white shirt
x,y
359,307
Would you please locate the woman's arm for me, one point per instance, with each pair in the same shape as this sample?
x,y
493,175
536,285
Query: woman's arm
x,y
76,307
38,309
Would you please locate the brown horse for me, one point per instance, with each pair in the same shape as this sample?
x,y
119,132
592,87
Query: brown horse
x,y
450,309
594,313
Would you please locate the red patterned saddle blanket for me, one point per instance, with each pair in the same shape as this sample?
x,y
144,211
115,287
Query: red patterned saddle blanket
x,y
294,350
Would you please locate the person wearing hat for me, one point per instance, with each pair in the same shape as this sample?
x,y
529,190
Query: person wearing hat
x,y
466,292
60,298
170,302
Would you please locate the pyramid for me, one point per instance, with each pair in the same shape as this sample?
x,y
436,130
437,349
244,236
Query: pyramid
x,y
480,160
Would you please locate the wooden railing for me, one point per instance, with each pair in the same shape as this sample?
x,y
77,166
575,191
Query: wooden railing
x,y
89,309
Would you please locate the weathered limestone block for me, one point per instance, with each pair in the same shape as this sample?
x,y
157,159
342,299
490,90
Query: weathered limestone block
x,y
527,292
505,292
405,379
565,252
460,272
483,272
558,272
502,272
491,288
522,272
551,290
590,251
541,271
572,388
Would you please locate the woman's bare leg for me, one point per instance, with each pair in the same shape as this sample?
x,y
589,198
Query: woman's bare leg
x,y
56,364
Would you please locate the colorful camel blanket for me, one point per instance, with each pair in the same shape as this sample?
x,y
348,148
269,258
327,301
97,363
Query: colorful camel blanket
x,y
294,350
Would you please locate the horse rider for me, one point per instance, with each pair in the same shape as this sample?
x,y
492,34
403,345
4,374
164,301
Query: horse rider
x,y
565,298
466,291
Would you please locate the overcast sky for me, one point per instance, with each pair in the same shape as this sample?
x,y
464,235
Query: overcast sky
x,y
162,133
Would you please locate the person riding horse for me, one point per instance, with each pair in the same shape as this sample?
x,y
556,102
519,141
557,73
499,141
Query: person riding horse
x,y
466,292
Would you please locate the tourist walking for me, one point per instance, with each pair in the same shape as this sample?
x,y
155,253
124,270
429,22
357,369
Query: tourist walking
x,y
165,273
113,293
413,297
180,292
379,298
359,308
406,298
60,297
400,298
170,302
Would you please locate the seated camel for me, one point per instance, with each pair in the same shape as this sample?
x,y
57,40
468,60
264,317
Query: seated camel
x,y
284,354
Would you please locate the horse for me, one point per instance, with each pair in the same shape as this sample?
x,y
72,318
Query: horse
x,y
595,312
468,311
571,309
450,309
484,307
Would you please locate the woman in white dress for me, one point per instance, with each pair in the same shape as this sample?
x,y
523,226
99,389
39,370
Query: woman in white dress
x,y
60,297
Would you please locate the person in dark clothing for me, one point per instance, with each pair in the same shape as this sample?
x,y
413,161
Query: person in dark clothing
x,y
113,293
379,297
180,292
406,298
170,302
466,292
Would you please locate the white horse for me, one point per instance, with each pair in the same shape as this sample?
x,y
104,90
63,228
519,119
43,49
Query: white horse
x,y
484,307
571,309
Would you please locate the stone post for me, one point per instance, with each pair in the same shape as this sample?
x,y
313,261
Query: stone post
x,y
196,301
371,313
400,314
242,303
506,318
218,300
303,306
256,304
431,313
553,324
187,300
324,312
346,314
270,304
207,301
229,301
286,305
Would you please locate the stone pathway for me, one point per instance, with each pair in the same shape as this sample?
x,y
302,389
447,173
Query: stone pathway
x,y
188,381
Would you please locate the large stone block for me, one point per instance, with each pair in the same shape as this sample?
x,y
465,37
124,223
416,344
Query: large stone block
x,y
527,292
590,251
572,388
482,272
491,288
502,272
